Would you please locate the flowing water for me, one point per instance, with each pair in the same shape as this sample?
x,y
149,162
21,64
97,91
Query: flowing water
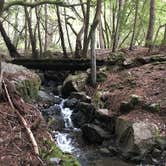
x,y
69,140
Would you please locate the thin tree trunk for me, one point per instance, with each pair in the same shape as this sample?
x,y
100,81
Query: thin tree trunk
x,y
16,35
101,40
93,60
164,38
12,50
135,24
46,28
116,36
26,37
61,32
149,37
78,43
86,20
32,37
38,29
92,38
67,32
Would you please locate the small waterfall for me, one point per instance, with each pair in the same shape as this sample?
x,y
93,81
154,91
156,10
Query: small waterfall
x,y
66,114
64,139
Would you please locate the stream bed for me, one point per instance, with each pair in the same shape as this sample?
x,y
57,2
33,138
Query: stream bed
x,y
69,140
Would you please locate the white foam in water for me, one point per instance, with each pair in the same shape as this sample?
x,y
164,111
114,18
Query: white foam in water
x,y
66,113
64,142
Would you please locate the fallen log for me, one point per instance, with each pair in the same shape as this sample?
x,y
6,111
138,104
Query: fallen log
x,y
57,64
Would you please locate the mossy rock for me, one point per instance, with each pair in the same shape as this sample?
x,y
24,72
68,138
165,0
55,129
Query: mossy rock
x,y
101,77
29,88
24,81
50,150
74,83
116,58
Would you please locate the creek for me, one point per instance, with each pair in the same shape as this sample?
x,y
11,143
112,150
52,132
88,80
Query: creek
x,y
69,140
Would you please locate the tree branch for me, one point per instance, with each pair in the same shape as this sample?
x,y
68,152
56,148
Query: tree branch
x,y
38,3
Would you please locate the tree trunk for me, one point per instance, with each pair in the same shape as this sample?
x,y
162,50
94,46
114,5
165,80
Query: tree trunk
x,y
135,24
16,34
116,36
150,32
164,38
37,12
78,43
92,38
86,20
93,60
46,28
11,48
61,32
32,37
67,32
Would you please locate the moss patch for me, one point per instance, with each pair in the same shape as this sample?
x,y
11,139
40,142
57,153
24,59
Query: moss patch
x,y
52,151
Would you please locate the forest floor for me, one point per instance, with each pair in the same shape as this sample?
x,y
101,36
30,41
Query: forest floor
x,y
15,145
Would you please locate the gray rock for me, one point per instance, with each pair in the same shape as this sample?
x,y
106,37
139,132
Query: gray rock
x,y
94,134
56,123
81,96
74,83
83,113
104,151
51,111
55,161
24,81
71,103
127,106
135,137
154,107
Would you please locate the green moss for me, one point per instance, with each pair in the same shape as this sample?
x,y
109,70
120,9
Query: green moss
x,y
28,89
52,151
101,77
96,99
117,58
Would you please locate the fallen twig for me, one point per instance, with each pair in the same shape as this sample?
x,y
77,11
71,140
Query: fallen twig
x,y
29,132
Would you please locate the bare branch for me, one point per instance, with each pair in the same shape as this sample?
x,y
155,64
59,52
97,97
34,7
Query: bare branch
x,y
38,3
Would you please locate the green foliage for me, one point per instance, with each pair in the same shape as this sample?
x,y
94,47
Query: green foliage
x,y
52,151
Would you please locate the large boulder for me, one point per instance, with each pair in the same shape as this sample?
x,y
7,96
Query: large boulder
x,y
74,83
83,113
94,134
135,139
25,82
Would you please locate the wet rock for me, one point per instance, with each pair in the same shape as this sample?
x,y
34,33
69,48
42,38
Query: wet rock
x,y
56,123
51,111
55,161
161,143
81,96
94,134
83,113
104,151
156,153
49,99
70,103
74,83
113,150
135,138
